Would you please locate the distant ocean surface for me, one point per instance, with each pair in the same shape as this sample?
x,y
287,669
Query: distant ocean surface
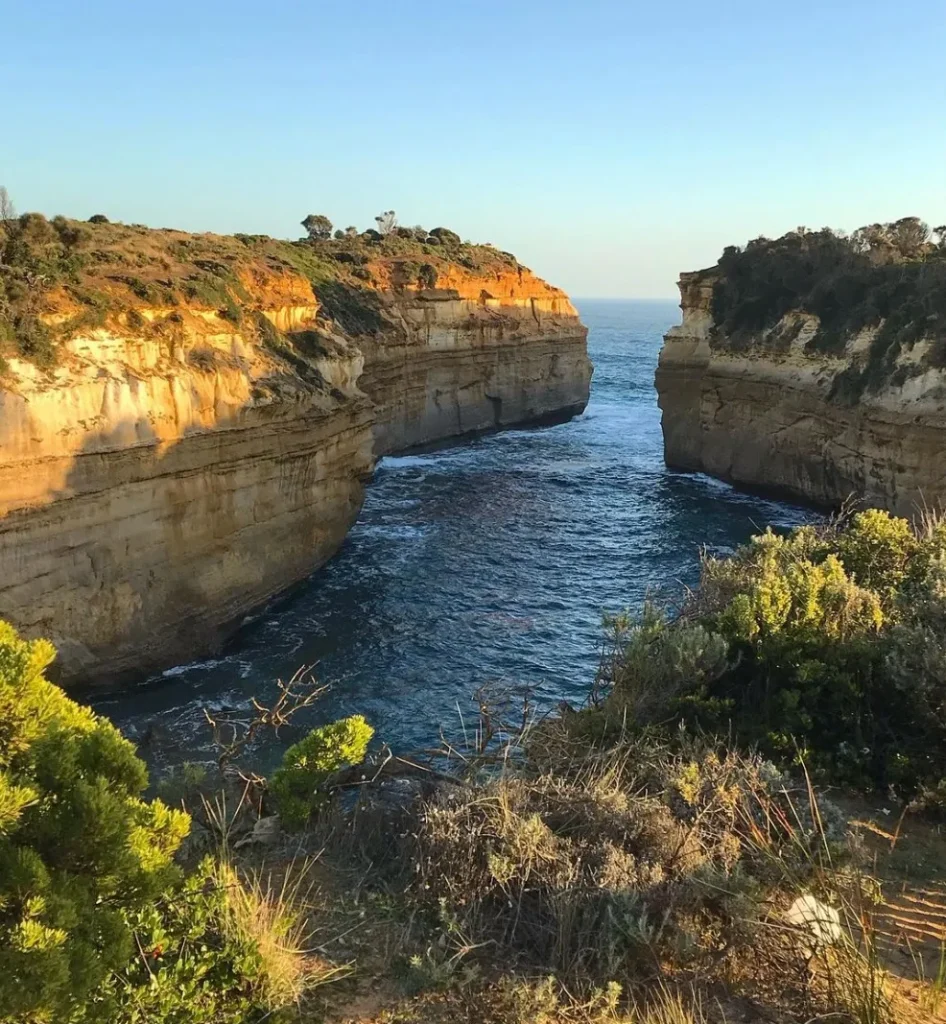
x,y
487,563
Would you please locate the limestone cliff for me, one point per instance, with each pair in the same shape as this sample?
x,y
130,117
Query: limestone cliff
x,y
478,352
187,422
154,490
779,410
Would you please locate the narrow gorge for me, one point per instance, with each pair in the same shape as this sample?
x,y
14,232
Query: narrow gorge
x,y
188,422
814,366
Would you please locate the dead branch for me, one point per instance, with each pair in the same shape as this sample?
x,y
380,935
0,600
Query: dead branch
x,y
233,736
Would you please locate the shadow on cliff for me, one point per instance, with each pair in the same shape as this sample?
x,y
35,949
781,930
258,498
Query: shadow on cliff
x,y
89,568
358,311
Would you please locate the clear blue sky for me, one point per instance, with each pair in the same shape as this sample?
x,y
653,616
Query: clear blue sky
x,y
609,144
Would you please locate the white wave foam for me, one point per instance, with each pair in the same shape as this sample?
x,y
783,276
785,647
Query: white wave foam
x,y
191,666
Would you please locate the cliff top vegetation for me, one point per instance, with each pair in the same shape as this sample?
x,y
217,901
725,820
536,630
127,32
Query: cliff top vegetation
x,y
891,277
59,277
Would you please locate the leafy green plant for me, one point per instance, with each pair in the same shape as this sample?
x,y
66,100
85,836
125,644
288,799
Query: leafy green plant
x,y
826,641
445,236
306,765
187,965
79,849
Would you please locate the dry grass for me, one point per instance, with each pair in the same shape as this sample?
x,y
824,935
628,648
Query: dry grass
x,y
545,1002
616,867
271,912
612,871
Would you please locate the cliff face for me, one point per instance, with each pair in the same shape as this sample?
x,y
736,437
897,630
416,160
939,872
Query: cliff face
x,y
155,491
478,352
201,437
774,412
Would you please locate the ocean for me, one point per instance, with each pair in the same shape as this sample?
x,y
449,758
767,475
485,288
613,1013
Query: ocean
x,y
486,564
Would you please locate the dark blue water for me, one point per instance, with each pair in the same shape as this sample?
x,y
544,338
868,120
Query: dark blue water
x,y
490,562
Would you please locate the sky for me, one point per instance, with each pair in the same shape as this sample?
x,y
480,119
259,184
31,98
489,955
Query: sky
x,y
610,145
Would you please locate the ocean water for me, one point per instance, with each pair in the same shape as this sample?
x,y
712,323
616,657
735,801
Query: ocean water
x,y
489,563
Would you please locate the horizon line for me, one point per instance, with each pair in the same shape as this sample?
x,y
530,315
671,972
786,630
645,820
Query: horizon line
x,y
627,298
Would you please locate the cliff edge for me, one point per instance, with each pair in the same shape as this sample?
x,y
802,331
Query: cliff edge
x,y
814,366
187,422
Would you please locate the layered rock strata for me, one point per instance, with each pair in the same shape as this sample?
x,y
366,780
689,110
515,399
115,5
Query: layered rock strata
x,y
182,464
476,353
774,414
155,491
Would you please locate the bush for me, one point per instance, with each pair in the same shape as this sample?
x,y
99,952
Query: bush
x,y
649,667
828,642
98,218
881,277
34,341
79,849
445,236
212,951
427,277
599,865
306,766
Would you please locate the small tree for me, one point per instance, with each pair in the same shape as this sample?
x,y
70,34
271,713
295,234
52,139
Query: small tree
x,y
317,226
98,218
387,222
909,235
351,231
427,276
7,211
79,849
308,764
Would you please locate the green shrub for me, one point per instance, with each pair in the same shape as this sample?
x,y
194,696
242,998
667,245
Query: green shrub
x,y
219,948
427,277
828,642
881,277
187,966
306,765
445,236
79,849
232,311
604,861
650,666
98,218
34,341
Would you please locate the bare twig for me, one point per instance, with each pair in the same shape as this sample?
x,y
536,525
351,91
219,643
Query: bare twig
x,y
232,736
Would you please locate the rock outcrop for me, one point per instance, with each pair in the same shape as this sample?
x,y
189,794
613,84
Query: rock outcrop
x,y
476,353
775,412
183,461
